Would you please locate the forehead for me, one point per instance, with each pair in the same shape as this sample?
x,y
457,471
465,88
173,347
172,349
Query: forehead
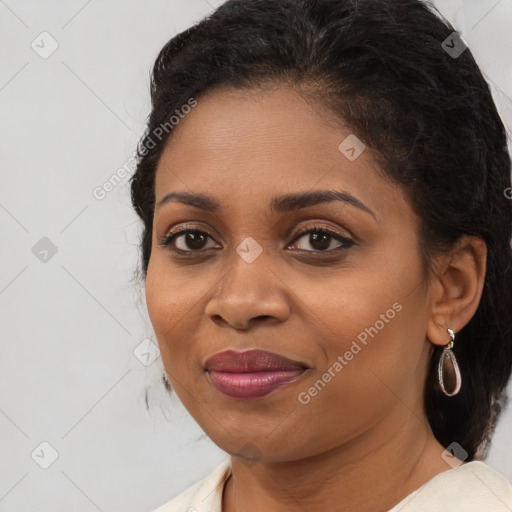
x,y
250,145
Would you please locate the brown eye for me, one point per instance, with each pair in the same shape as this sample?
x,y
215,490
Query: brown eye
x,y
322,240
187,240
194,240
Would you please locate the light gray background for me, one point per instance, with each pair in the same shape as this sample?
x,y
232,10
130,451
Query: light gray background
x,y
72,320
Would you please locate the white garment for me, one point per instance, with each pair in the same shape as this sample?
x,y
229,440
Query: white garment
x,y
472,487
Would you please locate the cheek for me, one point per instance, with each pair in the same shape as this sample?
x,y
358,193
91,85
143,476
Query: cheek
x,y
374,319
175,301
170,299
367,301
370,366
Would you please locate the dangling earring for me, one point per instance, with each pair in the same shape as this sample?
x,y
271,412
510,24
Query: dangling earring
x,y
448,369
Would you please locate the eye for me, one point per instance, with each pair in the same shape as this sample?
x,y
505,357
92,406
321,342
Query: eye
x,y
321,240
186,240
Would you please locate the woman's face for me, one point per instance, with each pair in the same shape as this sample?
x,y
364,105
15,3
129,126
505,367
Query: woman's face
x,y
348,307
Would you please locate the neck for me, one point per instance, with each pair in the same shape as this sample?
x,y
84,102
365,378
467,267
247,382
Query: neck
x,y
370,473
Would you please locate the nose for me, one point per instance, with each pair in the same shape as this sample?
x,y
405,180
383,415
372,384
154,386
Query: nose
x,y
248,294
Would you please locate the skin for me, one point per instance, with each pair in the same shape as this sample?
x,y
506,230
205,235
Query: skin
x,y
366,429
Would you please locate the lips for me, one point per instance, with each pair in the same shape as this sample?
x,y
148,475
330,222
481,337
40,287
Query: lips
x,y
251,361
251,374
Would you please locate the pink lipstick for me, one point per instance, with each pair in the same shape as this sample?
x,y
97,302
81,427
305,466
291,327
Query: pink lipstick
x,y
251,374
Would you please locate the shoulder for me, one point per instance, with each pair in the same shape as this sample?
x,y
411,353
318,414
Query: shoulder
x,y
472,487
204,496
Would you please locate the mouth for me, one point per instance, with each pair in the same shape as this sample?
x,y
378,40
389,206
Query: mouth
x,y
251,374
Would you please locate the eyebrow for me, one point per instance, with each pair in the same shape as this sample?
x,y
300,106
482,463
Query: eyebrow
x,y
281,204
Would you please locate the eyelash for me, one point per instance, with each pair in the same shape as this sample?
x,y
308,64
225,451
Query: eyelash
x,y
347,243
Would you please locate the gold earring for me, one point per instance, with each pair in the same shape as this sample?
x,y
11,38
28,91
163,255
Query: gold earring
x,y
448,370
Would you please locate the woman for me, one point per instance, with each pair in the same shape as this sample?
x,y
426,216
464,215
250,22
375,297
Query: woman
x,y
326,253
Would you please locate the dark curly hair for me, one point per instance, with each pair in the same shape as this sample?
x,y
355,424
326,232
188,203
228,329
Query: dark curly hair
x,y
429,116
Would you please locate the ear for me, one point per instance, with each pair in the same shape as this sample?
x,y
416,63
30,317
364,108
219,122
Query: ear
x,y
456,287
